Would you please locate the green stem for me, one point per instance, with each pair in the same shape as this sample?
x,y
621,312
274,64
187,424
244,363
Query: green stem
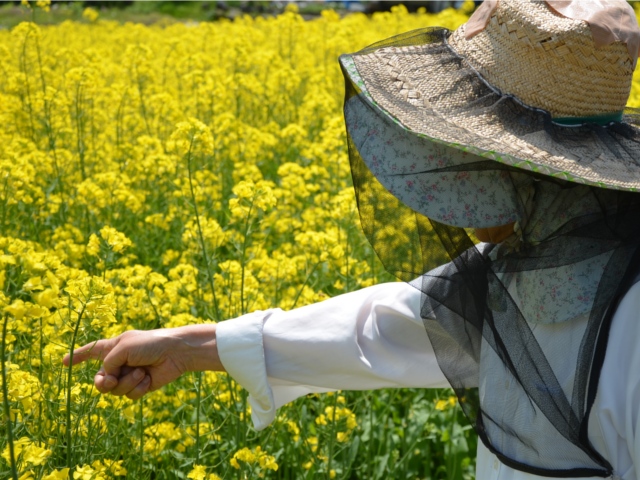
x,y
306,281
200,234
69,382
346,254
158,323
40,376
143,107
243,260
332,439
48,122
452,460
198,397
119,126
370,453
5,398
5,205
141,435
23,64
80,132
211,286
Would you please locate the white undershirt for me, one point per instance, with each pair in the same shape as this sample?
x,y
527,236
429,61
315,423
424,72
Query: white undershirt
x,y
374,338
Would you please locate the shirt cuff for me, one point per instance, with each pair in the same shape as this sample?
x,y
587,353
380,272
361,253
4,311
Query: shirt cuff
x,y
242,355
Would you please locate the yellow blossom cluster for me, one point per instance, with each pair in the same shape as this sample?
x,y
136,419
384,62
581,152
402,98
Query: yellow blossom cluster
x,y
23,388
27,452
199,472
113,239
90,14
445,403
335,415
256,457
100,470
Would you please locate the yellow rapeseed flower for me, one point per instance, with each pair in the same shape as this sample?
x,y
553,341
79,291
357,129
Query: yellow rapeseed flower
x,y
87,472
90,14
62,474
192,137
44,4
198,472
116,240
26,451
444,404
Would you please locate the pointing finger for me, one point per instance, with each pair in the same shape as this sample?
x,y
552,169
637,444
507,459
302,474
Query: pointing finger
x,y
97,350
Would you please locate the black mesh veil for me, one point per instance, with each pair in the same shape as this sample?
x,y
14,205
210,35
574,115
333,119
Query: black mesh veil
x,y
520,328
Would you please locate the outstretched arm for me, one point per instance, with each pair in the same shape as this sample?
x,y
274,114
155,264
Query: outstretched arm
x,y
367,339
138,362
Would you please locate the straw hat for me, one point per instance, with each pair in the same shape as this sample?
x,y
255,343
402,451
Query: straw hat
x,y
570,64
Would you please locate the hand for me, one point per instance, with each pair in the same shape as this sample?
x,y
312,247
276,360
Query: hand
x,y
138,362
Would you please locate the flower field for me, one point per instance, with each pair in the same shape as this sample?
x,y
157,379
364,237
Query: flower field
x,y
159,176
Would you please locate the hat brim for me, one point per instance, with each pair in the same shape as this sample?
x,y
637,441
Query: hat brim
x,y
434,180
417,80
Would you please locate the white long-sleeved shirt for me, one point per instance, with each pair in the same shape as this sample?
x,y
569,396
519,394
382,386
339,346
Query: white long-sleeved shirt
x,y
375,338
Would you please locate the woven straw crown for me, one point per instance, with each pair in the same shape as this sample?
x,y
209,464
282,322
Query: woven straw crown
x,y
490,87
548,61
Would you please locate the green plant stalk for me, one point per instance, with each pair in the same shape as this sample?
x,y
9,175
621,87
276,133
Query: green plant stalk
x,y
198,398
80,130
48,122
141,435
5,401
452,460
306,281
200,234
158,323
143,107
346,258
40,375
92,118
118,125
243,396
401,463
69,382
243,261
370,454
23,67
385,414
211,285
5,205
332,439
428,460
234,400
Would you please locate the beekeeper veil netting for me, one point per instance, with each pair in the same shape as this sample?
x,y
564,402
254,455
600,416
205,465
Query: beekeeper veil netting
x,y
519,328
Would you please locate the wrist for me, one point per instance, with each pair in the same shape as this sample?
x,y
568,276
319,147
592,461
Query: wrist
x,y
199,347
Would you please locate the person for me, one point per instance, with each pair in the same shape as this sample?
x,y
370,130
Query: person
x,y
511,130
